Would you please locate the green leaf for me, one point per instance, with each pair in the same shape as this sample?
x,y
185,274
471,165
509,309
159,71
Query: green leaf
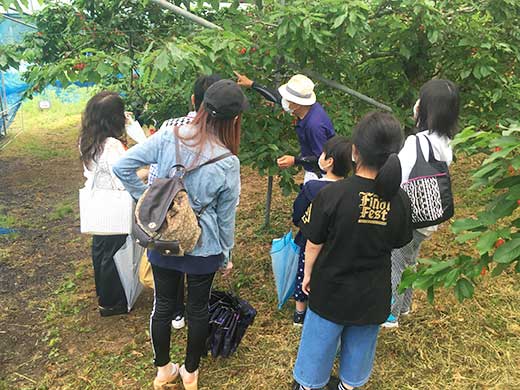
x,y
465,73
515,163
433,36
476,72
434,269
339,21
504,208
429,262
486,170
162,61
486,242
467,236
408,277
104,69
508,252
508,182
465,287
405,52
465,224
451,277
499,268
423,282
431,295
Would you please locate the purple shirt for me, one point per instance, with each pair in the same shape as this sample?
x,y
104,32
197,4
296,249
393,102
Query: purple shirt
x,y
313,131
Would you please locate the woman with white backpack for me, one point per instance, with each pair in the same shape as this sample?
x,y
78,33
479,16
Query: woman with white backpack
x,y
436,113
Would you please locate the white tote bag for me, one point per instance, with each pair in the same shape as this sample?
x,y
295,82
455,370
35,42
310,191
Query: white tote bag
x,y
105,211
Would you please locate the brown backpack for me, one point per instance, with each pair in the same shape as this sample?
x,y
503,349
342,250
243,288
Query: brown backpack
x,y
164,218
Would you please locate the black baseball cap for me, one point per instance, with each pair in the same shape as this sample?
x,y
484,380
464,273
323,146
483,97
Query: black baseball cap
x,y
225,99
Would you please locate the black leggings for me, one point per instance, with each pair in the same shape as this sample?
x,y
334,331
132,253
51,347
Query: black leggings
x,y
108,285
166,287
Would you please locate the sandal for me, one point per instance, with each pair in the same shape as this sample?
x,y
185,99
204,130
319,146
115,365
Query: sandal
x,y
160,384
192,385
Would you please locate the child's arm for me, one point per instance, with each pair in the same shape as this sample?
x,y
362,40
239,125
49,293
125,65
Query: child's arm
x,y
312,251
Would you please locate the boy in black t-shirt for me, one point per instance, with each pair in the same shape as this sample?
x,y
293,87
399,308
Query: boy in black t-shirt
x,y
352,227
335,161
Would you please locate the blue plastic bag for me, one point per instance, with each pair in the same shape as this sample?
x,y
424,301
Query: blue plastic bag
x,y
284,256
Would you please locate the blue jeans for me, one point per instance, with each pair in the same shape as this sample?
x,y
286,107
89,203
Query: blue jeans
x,y
318,348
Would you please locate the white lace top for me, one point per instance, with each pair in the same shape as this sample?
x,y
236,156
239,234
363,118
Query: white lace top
x,y
113,150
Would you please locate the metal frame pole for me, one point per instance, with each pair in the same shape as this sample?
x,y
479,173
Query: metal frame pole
x,y
341,87
18,21
186,14
3,113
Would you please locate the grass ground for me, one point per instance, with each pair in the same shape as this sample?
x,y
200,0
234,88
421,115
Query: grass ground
x,y
51,336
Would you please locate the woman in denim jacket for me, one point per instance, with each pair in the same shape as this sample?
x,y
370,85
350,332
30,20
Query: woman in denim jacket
x,y
216,187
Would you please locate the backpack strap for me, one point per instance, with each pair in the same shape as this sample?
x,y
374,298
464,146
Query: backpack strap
x,y
179,167
214,160
431,157
420,156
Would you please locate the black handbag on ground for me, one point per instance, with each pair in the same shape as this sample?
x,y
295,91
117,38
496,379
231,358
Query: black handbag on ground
x,y
229,318
429,190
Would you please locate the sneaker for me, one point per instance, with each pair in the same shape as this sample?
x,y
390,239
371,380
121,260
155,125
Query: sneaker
x,y
391,322
298,318
405,313
178,322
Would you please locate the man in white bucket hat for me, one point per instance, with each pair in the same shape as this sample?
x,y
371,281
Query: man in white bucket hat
x,y
313,126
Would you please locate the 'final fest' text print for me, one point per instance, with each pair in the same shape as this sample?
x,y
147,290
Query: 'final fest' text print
x,y
374,210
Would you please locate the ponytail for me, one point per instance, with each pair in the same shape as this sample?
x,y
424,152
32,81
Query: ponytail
x,y
388,179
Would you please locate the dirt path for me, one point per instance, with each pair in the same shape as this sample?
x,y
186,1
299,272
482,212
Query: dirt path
x,y
35,260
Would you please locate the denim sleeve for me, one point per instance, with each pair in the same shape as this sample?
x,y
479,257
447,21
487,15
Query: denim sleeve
x,y
142,154
226,211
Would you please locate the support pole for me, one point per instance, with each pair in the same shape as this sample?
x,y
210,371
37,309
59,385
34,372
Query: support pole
x,y
4,114
186,14
269,196
341,87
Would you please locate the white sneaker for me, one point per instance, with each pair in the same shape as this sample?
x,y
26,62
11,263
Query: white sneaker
x,y
390,324
405,313
178,322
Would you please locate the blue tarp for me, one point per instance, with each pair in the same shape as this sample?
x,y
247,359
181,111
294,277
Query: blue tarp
x,y
13,86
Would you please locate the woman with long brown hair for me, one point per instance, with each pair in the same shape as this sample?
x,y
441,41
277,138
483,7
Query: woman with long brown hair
x,y
213,190
101,144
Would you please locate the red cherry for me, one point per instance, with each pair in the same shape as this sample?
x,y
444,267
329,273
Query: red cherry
x,y
484,271
253,49
518,202
499,242
497,149
243,51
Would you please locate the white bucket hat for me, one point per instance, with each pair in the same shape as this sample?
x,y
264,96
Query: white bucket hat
x,y
299,90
